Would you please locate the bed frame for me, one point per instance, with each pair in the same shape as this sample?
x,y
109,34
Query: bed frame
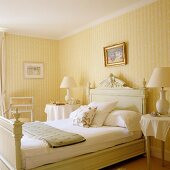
x,y
11,134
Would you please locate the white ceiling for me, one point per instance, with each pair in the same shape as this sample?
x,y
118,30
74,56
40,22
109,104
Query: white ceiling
x,y
56,19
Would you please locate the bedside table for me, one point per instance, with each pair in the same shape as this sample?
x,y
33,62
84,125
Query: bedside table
x,y
157,127
56,112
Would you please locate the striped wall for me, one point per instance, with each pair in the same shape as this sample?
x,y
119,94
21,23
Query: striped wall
x,y
22,49
147,34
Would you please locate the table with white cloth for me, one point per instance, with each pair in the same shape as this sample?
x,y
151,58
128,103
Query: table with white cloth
x,y
56,112
157,127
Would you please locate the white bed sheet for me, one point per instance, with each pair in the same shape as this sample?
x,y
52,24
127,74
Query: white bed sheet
x,y
37,153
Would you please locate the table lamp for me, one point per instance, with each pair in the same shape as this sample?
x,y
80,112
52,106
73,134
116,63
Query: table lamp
x,y
161,78
68,82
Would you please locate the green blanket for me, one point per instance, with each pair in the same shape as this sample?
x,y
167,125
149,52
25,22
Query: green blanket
x,y
53,136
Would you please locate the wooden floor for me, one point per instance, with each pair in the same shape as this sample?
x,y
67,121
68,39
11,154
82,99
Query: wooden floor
x,y
139,163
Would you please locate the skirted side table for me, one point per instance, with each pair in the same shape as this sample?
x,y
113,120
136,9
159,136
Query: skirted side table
x,y
157,127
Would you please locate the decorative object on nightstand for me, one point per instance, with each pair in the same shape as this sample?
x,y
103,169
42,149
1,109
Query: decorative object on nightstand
x,y
160,78
68,82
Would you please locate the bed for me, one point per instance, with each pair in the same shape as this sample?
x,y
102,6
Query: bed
x,y
11,150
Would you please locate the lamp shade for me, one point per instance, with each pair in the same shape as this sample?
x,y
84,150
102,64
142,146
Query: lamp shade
x,y
67,82
160,77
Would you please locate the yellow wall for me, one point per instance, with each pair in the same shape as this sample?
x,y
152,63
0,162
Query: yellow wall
x,y
22,49
147,34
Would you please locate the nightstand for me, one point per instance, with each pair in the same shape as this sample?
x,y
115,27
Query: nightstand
x,y
56,112
157,127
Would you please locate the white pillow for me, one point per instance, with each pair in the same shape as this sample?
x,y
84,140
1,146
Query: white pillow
x,y
84,116
103,109
124,118
74,113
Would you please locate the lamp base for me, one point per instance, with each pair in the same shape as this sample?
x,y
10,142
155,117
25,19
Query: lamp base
x,y
68,97
162,104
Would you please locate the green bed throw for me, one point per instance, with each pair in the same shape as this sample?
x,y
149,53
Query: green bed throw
x,y
53,136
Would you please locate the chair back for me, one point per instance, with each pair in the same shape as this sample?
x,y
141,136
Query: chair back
x,y
23,104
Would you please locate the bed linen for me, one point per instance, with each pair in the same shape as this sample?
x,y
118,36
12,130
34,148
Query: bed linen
x,y
37,152
53,136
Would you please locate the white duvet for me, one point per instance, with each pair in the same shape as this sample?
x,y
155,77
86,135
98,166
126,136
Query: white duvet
x,y
37,152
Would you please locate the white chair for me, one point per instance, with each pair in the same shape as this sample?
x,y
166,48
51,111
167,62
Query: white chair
x,y
23,104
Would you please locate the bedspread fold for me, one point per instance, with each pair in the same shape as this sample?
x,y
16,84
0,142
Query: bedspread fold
x,y
53,136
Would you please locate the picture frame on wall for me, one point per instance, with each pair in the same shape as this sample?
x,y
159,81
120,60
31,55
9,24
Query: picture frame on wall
x,y
115,55
33,70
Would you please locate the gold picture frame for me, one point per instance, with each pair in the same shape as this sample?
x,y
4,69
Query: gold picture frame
x,y
115,55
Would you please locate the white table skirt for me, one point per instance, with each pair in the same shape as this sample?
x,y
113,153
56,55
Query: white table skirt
x,y
155,126
56,112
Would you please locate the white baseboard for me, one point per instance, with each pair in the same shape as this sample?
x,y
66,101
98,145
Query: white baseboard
x,y
156,152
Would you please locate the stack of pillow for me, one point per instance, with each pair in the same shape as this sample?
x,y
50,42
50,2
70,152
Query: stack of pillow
x,y
98,114
124,118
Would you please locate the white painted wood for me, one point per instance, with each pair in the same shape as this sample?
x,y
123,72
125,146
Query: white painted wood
x,y
10,143
100,159
162,151
128,98
23,104
148,151
11,133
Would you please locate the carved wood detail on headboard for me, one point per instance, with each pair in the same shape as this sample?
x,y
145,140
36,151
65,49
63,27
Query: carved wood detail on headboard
x,y
115,83
112,82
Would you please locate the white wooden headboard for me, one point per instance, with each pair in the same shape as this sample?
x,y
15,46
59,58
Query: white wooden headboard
x,y
127,98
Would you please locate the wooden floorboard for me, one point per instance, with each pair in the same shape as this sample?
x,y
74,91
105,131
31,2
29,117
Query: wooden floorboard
x,y
139,163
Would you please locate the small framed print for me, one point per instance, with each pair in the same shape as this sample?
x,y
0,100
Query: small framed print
x,y
115,55
33,70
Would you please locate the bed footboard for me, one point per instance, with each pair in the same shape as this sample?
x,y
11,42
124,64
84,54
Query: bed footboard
x,y
10,143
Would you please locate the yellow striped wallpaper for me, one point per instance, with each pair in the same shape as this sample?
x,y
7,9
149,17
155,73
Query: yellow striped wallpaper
x,y
22,49
147,34
145,30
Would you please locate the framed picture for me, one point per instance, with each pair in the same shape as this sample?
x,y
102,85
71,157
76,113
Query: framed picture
x,y
115,55
33,70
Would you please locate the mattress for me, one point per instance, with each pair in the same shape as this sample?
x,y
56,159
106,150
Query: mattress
x,y
36,152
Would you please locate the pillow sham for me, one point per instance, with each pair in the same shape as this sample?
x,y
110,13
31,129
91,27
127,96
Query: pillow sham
x,y
74,113
84,116
124,118
103,109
